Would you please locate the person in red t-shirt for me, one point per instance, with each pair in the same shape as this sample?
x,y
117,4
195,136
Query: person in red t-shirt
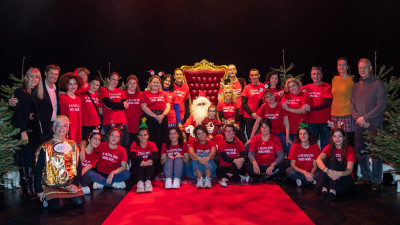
x,y
320,94
71,105
112,163
202,153
84,74
90,109
89,159
273,83
279,118
182,94
134,112
296,103
250,96
302,156
336,162
174,118
228,110
156,105
144,156
113,103
174,157
266,154
233,156
213,125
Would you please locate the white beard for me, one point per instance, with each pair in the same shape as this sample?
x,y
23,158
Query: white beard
x,y
200,112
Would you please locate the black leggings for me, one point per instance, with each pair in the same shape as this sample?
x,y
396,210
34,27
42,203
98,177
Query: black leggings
x,y
59,203
223,170
158,132
342,184
249,124
144,173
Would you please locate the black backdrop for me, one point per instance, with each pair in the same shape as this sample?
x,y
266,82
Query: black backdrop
x,y
135,36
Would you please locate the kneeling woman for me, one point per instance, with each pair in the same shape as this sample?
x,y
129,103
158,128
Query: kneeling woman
x,y
266,154
174,157
303,154
336,161
232,157
144,156
111,166
58,169
89,159
202,153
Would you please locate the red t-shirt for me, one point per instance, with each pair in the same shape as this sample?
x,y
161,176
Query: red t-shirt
x,y
82,90
174,150
72,108
90,117
232,150
275,115
202,148
134,112
182,93
317,95
158,100
144,152
265,150
350,154
112,116
304,157
228,109
274,90
173,100
91,159
237,88
252,92
109,159
296,102
211,122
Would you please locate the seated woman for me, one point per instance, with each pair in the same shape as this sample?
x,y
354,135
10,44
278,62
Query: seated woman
x,y
89,159
58,169
202,153
336,161
174,157
265,154
213,124
232,157
302,156
111,166
144,157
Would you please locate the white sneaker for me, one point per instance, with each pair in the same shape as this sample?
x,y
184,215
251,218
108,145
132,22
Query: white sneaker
x,y
245,178
223,181
119,185
200,182
97,186
148,187
168,183
177,183
298,182
140,187
86,190
207,183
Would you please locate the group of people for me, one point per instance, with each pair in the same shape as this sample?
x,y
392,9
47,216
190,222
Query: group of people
x,y
247,135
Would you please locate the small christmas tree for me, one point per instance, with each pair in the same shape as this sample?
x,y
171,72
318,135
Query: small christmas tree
x,y
386,145
284,72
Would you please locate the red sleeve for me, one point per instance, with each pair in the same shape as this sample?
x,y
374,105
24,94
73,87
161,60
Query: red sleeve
x,y
143,98
220,107
245,90
327,91
277,143
292,152
254,144
122,154
350,156
153,147
306,99
327,151
63,105
184,147
261,111
133,147
103,92
187,92
191,145
175,99
283,112
167,100
211,144
164,149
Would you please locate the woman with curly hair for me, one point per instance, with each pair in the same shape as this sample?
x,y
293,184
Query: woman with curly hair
x,y
336,162
302,156
71,105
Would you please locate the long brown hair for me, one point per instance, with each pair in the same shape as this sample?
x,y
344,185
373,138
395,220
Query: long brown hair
x,y
344,145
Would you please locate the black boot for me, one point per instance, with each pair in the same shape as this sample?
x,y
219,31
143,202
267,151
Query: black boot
x,y
25,182
31,179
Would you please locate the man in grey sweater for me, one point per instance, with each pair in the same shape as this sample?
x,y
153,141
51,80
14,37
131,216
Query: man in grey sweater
x,y
368,103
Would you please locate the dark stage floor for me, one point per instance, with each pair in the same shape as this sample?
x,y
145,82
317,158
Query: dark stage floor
x,y
360,206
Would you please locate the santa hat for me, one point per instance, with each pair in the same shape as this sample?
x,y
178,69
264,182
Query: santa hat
x,y
202,94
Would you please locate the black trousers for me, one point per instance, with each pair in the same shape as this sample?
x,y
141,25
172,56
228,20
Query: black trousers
x,y
144,173
59,203
158,132
249,124
339,185
282,166
223,170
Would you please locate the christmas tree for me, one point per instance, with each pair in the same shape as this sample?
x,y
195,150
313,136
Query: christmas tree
x,y
8,141
386,145
284,71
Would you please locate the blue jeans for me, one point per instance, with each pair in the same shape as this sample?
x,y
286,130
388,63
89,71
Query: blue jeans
x,y
363,158
282,138
102,178
322,131
124,138
196,165
173,168
294,175
291,137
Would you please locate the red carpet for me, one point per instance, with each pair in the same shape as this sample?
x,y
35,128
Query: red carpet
x,y
237,204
